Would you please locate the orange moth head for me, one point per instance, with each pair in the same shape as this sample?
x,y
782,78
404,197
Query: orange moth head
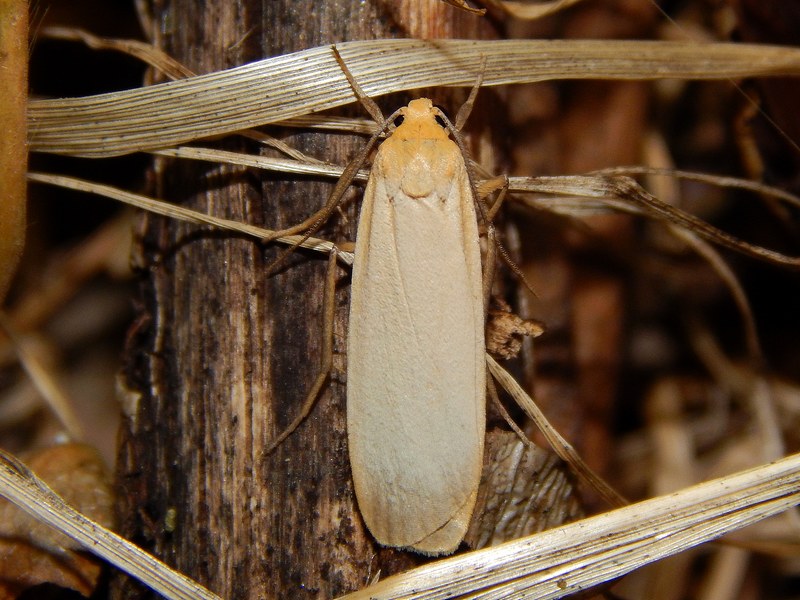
x,y
419,121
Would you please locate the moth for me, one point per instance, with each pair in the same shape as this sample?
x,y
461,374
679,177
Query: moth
x,y
416,371
416,366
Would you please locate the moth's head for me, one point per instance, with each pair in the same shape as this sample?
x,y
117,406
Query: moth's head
x,y
419,120
421,108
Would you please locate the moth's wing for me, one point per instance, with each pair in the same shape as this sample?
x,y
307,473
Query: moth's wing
x,y
416,366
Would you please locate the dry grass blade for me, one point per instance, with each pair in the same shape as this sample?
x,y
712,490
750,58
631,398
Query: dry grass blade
x,y
758,392
590,552
296,84
626,188
265,163
623,193
464,6
184,214
608,187
332,123
732,182
107,250
559,445
733,284
31,494
31,552
44,381
145,52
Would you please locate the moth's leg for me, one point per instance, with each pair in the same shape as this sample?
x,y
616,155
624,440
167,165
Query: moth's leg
x,y
315,221
485,189
489,187
492,389
489,268
329,305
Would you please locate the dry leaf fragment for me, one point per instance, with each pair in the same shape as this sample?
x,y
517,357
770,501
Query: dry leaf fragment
x,y
524,489
31,553
530,11
506,331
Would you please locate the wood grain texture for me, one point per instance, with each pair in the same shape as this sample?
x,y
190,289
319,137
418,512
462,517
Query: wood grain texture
x,y
222,356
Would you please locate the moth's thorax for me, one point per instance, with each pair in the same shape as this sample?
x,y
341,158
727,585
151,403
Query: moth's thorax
x,y
419,157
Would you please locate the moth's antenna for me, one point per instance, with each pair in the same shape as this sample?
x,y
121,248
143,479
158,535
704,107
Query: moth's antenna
x,y
463,113
312,224
368,103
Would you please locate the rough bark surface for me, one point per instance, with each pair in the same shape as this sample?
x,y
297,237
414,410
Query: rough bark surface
x,y
223,356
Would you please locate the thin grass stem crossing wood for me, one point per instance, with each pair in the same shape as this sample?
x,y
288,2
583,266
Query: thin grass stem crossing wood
x,y
416,375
